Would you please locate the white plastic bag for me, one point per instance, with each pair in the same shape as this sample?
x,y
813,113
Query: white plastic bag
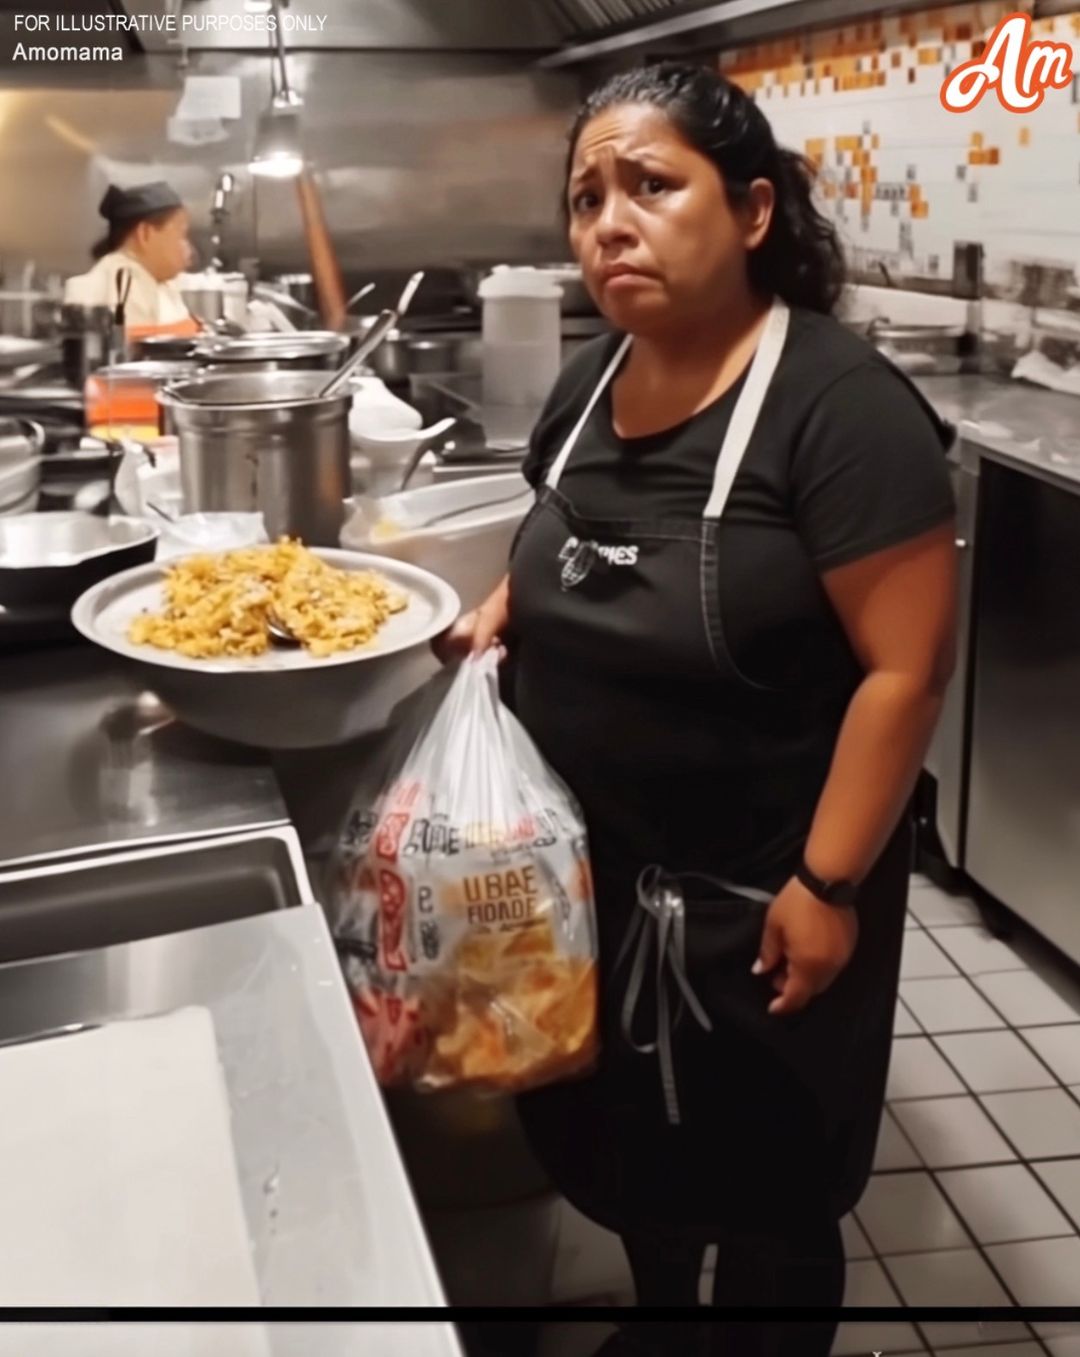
x,y
462,901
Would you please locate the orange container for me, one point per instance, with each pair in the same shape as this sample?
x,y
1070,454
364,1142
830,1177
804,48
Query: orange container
x,y
121,401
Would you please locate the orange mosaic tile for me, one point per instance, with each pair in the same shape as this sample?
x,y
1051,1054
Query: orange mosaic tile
x,y
1025,136
920,209
875,141
993,156
976,138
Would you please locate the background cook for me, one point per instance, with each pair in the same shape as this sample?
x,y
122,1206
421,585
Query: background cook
x,y
145,249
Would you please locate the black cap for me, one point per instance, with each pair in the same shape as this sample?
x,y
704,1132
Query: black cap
x,y
131,204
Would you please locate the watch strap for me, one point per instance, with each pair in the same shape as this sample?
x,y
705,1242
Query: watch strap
x,y
829,892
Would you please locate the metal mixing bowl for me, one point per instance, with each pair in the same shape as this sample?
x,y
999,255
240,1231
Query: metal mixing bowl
x,y
47,560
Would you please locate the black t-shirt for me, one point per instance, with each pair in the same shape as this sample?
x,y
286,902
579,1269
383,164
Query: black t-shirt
x,y
847,459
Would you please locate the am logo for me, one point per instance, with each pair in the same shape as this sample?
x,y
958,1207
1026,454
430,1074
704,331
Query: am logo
x,y
1016,67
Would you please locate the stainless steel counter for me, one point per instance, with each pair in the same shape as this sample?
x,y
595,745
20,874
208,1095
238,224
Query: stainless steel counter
x,y
328,1206
85,765
1014,423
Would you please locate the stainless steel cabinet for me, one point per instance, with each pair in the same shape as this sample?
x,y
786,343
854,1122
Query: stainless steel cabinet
x,y
1023,831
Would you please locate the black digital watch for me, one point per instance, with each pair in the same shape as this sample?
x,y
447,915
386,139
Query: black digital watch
x,y
829,892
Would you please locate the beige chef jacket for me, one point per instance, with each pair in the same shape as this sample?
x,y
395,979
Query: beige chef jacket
x,y
149,302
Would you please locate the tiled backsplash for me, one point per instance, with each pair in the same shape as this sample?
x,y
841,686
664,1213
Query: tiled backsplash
x,y
904,177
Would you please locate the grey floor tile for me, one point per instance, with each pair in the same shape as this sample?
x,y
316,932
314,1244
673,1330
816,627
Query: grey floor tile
x,y
1057,1328
949,1005
858,1338
1004,1203
918,1070
1063,1347
935,909
951,1132
1041,1123
1027,1348
868,1286
977,951
856,1244
894,1151
995,1062
1041,1271
1025,998
910,921
907,1213
960,1277
904,1025
1060,1049
946,1335
1062,1177
922,958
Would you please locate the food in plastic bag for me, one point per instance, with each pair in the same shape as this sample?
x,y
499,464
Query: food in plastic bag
x,y
462,902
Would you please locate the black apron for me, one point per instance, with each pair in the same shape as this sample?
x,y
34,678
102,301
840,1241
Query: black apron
x,y
705,1112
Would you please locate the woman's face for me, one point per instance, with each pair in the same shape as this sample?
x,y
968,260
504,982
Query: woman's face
x,y
164,248
658,240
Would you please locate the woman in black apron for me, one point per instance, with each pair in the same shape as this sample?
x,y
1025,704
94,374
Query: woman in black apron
x,y
730,621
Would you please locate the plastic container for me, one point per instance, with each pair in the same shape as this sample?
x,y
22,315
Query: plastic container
x,y
193,533
470,550
522,336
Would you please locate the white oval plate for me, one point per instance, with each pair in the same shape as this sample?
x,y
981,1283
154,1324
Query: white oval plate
x,y
105,612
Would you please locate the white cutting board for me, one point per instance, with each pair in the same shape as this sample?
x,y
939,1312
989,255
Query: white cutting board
x,y
118,1181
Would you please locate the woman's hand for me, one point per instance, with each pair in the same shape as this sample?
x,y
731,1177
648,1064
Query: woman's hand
x,y
805,944
475,632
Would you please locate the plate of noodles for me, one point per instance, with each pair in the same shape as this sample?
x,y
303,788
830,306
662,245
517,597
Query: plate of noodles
x,y
197,628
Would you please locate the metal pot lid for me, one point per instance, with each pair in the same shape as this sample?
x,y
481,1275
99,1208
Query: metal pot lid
x,y
167,344
219,391
272,347
151,370
915,332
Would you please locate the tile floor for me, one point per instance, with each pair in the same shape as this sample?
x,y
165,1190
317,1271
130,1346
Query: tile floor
x,y
975,1197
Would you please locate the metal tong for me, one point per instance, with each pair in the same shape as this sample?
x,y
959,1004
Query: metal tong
x,y
384,323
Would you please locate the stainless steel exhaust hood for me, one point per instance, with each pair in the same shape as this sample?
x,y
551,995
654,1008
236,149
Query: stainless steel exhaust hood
x,y
597,30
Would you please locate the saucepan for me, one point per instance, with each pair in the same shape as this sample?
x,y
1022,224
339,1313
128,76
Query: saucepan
x,y
47,560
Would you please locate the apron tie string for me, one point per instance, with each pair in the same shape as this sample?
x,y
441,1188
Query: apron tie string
x,y
662,911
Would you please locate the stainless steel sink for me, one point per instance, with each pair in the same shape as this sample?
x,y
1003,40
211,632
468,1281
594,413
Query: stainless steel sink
x,y
122,897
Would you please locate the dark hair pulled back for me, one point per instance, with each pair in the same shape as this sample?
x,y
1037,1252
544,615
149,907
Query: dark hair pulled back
x,y
800,259
119,231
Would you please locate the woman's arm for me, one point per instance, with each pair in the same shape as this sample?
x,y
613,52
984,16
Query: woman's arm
x,y
898,608
478,630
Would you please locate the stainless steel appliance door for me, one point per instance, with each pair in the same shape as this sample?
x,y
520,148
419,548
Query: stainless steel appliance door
x,y
1023,843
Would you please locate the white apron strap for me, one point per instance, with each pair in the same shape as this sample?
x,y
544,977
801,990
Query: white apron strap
x,y
556,469
747,408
